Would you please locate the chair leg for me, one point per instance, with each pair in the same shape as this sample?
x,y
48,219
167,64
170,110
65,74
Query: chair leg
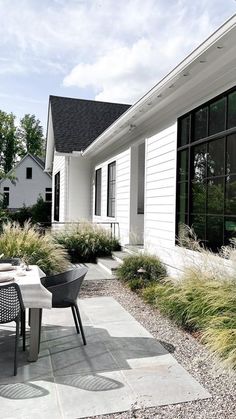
x,y
16,346
75,318
40,326
80,323
23,328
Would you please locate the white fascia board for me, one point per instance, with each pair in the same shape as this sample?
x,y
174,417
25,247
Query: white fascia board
x,y
124,122
49,142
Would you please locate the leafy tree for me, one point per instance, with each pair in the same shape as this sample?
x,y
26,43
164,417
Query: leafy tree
x,y
9,145
30,134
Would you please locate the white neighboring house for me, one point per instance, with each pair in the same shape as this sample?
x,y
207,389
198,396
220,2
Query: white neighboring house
x,y
169,158
31,182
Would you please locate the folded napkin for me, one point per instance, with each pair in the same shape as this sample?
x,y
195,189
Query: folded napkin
x,y
6,277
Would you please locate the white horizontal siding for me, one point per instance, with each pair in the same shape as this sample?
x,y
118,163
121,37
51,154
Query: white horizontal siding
x,y
122,193
160,190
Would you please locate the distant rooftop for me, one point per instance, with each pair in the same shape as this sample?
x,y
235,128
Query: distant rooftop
x,y
78,122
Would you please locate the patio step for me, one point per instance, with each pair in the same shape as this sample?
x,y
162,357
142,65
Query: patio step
x,y
109,264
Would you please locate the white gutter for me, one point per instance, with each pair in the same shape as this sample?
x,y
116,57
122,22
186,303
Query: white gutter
x,y
124,121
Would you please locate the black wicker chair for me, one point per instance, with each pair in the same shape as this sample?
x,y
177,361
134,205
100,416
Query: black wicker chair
x,y
65,289
11,307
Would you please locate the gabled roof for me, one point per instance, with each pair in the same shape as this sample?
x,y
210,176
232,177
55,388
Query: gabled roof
x,y
78,122
37,160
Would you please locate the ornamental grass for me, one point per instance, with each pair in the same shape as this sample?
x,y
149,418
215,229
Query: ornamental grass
x,y
27,243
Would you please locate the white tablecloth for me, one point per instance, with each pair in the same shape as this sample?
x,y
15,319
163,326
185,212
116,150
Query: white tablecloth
x,y
34,294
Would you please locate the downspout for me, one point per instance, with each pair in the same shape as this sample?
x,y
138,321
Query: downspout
x,y
67,193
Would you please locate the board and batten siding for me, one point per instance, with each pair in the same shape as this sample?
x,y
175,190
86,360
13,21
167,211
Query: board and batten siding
x,y
160,193
59,165
122,208
26,191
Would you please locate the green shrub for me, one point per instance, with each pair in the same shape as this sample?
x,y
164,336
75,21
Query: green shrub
x,y
25,242
199,303
86,242
153,269
37,213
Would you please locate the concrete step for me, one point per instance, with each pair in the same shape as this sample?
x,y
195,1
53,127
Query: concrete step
x,y
109,264
133,249
120,255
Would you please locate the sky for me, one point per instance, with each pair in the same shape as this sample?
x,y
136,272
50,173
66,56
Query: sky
x,y
108,50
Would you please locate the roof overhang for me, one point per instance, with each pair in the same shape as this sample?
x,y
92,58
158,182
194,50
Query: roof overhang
x,y
207,71
50,144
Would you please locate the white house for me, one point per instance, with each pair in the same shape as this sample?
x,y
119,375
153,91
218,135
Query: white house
x,y
30,182
169,158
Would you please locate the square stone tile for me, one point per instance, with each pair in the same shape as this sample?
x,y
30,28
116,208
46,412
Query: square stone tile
x,y
90,358
30,399
85,395
164,384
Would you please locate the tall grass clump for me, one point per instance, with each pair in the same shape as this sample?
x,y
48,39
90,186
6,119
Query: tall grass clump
x,y
139,271
26,243
86,242
201,302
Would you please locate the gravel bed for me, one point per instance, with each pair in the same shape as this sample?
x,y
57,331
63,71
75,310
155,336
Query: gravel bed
x,y
191,354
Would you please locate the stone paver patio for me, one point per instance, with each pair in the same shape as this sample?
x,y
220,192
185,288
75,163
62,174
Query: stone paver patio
x,y
122,367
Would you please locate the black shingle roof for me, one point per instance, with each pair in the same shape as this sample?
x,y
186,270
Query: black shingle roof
x,y
78,122
39,160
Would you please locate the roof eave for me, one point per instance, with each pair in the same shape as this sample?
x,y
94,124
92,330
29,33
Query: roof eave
x,y
122,124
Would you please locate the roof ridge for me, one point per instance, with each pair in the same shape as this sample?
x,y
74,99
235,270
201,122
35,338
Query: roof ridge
x,y
89,100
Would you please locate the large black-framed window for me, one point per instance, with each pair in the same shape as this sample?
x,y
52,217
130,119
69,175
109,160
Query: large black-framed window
x,y
98,191
57,196
206,171
111,189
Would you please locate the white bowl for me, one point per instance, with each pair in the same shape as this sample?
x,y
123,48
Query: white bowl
x,y
6,267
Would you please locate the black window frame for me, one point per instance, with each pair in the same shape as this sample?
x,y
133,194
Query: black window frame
x,y
98,192
188,146
48,194
57,196
6,196
111,189
29,172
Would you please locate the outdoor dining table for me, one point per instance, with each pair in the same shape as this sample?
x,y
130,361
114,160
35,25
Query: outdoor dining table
x,y
36,297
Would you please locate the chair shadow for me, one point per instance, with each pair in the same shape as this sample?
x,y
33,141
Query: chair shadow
x,y
22,391
76,365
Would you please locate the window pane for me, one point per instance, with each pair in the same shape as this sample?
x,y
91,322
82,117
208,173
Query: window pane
x,y
230,195
98,191
231,154
215,198
214,236
232,110
184,131
199,162
182,197
198,197
198,222
200,124
217,116
183,165
230,229
215,158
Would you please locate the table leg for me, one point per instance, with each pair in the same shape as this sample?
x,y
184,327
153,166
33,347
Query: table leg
x,y
35,328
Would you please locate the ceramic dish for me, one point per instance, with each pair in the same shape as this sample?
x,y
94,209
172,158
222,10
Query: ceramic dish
x,y
6,267
6,277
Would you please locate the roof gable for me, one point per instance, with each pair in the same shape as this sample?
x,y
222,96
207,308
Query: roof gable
x,y
78,122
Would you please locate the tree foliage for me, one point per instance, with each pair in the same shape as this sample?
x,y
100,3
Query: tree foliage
x,y
9,144
16,142
30,134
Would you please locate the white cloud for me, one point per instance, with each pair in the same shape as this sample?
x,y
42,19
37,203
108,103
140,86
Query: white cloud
x,y
117,48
